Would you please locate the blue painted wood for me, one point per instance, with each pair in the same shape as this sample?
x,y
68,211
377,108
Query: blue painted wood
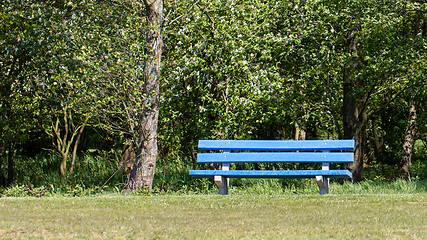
x,y
272,173
276,157
276,145
272,151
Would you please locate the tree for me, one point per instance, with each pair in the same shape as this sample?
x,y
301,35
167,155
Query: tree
x,y
416,28
408,142
60,84
20,57
50,71
142,173
377,63
230,70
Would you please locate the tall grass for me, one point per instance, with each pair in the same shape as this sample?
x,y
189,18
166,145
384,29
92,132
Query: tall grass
x,y
243,187
40,177
309,186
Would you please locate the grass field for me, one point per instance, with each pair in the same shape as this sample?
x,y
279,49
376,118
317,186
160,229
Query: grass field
x,y
238,216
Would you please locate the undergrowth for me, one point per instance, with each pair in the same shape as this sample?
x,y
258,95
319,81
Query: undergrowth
x,y
101,174
240,187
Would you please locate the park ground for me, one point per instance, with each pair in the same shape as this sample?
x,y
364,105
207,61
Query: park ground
x,y
210,216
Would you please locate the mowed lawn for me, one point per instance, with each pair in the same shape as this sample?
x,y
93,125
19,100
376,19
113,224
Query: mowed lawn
x,y
371,216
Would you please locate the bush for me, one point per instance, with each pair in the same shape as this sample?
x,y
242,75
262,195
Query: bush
x,y
25,191
419,170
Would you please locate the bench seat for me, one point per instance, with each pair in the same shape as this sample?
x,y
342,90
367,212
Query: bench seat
x,y
272,173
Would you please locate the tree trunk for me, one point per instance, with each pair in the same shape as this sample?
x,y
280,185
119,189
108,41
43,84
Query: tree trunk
x,y
11,164
354,128
354,112
408,144
127,159
63,164
62,141
2,179
76,144
300,133
378,143
409,138
142,173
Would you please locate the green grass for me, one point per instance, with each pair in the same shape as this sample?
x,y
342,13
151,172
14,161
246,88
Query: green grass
x,y
236,216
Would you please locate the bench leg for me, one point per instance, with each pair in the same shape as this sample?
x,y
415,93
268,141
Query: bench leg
x,y
222,184
323,184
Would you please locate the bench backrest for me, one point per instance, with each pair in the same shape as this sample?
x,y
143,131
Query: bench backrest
x,y
276,151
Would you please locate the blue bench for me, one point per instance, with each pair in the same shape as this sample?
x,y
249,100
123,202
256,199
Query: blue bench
x,y
225,152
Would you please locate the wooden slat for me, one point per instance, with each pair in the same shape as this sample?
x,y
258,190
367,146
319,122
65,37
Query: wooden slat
x,y
276,157
276,145
272,174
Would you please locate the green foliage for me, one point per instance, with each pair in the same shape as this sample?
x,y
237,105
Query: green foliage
x,y
419,170
91,172
172,177
380,172
230,70
64,190
25,191
95,170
